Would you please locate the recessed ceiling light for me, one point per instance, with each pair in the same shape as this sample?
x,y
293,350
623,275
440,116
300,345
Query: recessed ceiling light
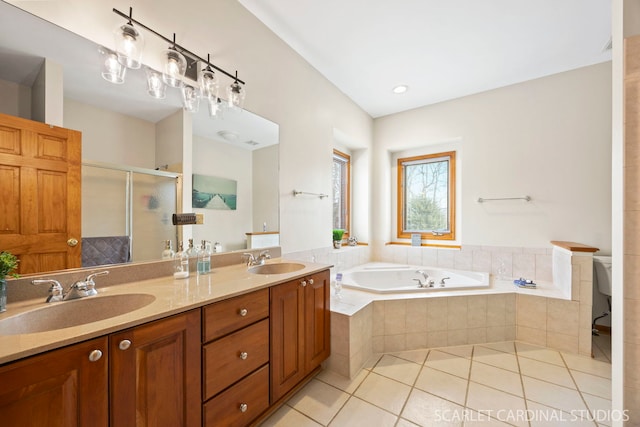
x,y
229,135
400,89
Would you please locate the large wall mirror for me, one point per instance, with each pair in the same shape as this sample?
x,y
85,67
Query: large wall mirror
x,y
139,152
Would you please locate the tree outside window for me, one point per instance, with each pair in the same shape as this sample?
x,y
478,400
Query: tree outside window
x,y
426,196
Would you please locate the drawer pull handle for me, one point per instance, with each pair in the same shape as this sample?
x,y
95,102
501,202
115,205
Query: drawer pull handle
x,y
124,345
244,355
303,283
95,355
243,312
311,281
244,407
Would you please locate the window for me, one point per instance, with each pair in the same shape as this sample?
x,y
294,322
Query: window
x,y
426,196
341,187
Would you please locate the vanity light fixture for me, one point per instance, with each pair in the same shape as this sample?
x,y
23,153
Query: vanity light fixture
x,y
112,70
175,65
155,85
129,44
400,89
190,97
236,94
179,69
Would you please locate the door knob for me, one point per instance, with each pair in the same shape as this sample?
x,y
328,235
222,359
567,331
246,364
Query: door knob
x,y
124,344
72,242
95,355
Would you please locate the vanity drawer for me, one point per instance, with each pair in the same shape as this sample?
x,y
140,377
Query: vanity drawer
x,y
230,315
240,404
230,358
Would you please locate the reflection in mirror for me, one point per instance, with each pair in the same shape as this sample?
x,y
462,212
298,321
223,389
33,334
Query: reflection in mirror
x,y
122,125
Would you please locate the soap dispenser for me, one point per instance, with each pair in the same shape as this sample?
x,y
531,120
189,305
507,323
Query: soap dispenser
x,y
204,258
181,264
167,253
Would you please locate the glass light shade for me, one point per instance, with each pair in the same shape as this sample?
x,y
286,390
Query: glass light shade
x,y
129,45
155,85
215,108
235,95
112,70
209,84
174,67
190,97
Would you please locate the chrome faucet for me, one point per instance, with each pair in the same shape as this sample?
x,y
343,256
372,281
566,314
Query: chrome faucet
x,y
259,260
80,289
427,282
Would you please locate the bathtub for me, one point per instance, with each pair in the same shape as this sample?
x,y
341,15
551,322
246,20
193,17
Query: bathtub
x,y
392,278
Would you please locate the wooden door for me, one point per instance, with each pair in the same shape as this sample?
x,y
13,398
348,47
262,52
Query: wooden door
x,y
317,320
40,194
60,388
155,374
287,338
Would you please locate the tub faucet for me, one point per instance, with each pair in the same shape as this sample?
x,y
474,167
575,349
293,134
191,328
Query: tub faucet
x,y
427,282
442,283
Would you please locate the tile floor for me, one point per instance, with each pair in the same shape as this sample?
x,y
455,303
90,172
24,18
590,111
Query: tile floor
x,y
495,384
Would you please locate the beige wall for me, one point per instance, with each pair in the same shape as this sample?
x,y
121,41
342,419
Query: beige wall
x,y
15,99
548,138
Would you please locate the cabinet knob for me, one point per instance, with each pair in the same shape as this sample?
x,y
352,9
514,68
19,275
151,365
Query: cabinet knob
x,y
95,355
244,407
244,355
303,283
311,281
243,312
124,344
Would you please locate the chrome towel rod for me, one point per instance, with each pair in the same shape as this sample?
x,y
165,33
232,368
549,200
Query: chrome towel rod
x,y
525,198
298,193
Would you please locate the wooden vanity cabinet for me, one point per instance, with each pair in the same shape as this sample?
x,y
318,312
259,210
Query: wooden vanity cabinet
x,y
300,330
235,358
64,387
155,373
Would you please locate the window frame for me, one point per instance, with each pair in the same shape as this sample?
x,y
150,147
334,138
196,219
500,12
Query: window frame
x,y
347,189
427,235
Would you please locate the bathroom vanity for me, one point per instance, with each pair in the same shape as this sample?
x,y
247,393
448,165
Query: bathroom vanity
x,y
224,349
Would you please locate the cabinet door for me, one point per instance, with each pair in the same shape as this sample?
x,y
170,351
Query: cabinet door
x,y
287,337
60,388
155,373
317,315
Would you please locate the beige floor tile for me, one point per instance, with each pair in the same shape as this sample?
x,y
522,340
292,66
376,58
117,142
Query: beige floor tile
x,y
372,361
592,384
348,385
319,401
449,363
415,356
386,393
600,408
286,416
546,372
459,350
358,413
442,385
497,378
428,410
539,353
495,358
552,395
587,364
505,346
398,369
478,419
544,416
404,423
488,400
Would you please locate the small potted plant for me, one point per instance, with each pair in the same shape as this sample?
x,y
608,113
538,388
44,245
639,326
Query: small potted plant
x,y
337,238
8,263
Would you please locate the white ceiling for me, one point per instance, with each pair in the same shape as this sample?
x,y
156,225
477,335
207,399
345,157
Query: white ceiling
x,y
441,49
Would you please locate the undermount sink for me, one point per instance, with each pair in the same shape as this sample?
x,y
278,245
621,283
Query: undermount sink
x,y
279,268
66,314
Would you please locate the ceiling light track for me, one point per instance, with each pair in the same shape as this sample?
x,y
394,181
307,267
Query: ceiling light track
x,y
172,42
